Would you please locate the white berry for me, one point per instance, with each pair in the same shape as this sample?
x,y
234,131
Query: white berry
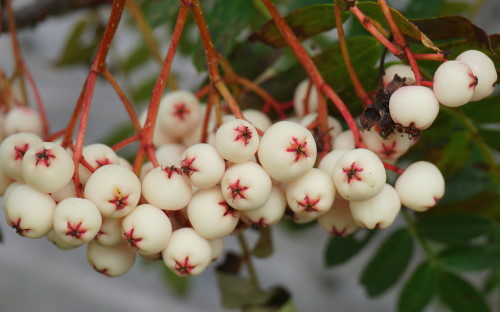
x,y
484,69
454,83
415,106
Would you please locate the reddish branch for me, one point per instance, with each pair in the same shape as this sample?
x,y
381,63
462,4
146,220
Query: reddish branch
x,y
97,67
358,86
317,79
146,145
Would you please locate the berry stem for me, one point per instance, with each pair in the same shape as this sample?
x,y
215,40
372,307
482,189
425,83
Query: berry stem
x,y
148,129
358,86
427,83
401,41
313,72
97,67
128,106
126,142
206,119
439,57
248,259
16,49
23,71
370,27
211,58
268,98
396,169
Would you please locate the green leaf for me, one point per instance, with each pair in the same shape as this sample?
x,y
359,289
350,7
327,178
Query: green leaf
x,y
305,23
491,135
340,249
158,13
143,91
344,4
453,228
226,20
237,291
418,8
450,161
372,10
279,301
468,258
389,263
419,289
264,246
77,50
459,295
453,8
139,56
468,182
180,285
452,27
118,134
493,281
364,52
484,111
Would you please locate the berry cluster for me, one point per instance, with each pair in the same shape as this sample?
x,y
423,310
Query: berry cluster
x,y
201,192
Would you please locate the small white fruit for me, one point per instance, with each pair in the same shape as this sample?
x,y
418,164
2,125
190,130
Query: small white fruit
x,y
187,253
287,150
202,165
167,188
237,140
270,213
454,83
12,151
483,68
110,260
380,211
359,174
420,186
338,220
415,106
402,70
22,119
179,113
299,98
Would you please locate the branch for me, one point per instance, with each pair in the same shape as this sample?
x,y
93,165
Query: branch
x,y
38,11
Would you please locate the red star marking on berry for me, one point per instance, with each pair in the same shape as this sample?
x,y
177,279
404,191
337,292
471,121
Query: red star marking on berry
x,y
473,84
308,204
102,162
260,222
352,172
131,240
338,232
237,190
119,200
102,271
183,267
230,211
299,148
243,134
388,151
19,151
44,157
16,225
171,170
180,111
187,167
75,231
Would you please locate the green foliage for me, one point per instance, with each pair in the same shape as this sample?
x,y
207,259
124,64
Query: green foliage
x,y
459,294
305,23
341,249
264,247
419,289
388,263
469,258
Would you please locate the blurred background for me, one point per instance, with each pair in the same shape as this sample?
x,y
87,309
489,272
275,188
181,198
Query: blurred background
x,y
37,276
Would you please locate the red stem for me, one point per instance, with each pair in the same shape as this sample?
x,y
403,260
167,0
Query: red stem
x,y
38,100
149,125
393,168
268,98
400,40
358,86
315,76
368,25
427,83
97,67
125,142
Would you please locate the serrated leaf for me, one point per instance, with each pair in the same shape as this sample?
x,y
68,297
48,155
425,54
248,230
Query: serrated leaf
x,y
340,249
459,295
364,52
419,289
264,246
389,263
372,10
344,4
453,228
180,285
468,258
453,27
305,23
